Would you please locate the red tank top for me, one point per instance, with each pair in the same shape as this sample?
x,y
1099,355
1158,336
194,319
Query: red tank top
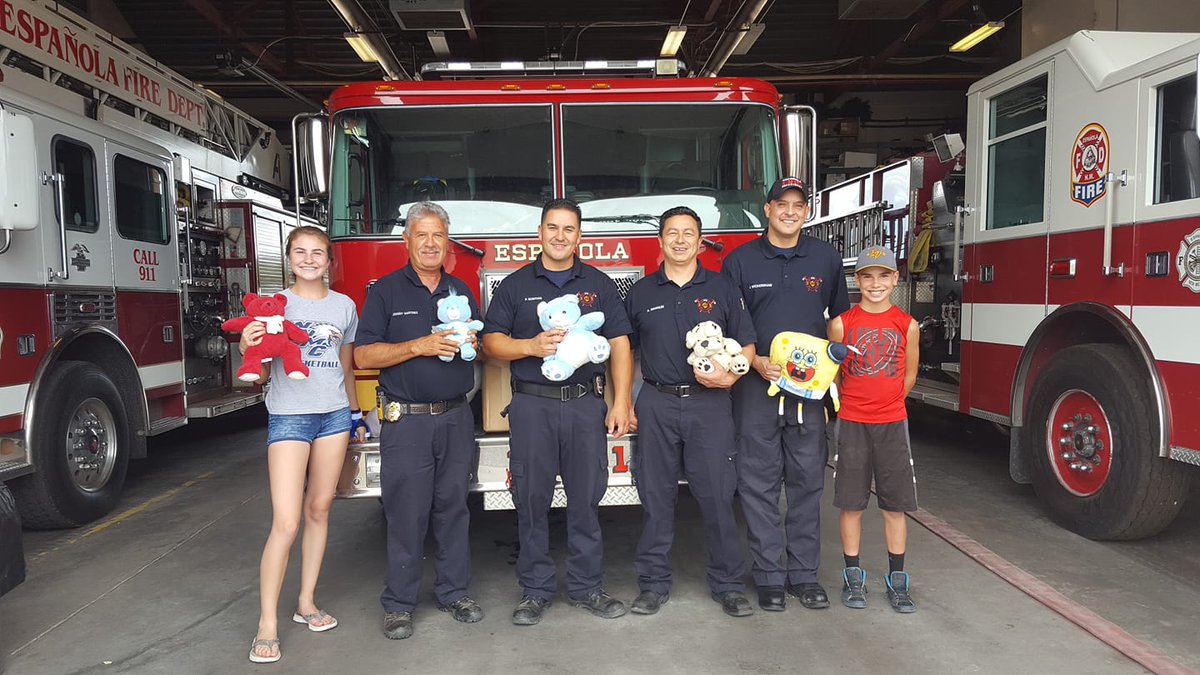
x,y
872,389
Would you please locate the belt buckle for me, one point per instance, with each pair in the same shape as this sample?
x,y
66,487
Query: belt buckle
x,y
437,408
684,390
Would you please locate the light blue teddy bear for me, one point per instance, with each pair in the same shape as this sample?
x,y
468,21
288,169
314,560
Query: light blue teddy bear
x,y
454,312
580,345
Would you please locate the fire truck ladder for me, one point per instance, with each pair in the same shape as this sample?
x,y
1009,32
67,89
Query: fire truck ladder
x,y
227,130
874,224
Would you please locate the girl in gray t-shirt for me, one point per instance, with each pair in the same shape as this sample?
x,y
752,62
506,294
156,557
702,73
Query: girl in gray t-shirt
x,y
310,423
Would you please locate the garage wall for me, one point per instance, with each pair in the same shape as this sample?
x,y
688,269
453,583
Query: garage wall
x,y
1046,21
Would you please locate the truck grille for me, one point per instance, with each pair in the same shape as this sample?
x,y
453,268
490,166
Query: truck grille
x,y
624,277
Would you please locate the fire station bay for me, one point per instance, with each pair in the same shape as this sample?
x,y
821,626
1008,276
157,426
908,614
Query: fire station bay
x,y
641,336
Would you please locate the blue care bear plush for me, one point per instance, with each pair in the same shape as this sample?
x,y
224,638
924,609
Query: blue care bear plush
x,y
580,345
454,312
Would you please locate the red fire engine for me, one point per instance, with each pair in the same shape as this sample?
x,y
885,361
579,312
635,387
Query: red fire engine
x,y
491,146
135,210
1057,278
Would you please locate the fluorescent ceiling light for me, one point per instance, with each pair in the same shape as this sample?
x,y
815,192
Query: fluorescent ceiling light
x,y
361,47
437,40
671,43
976,36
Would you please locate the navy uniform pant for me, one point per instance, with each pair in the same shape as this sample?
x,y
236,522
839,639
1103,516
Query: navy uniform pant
x,y
776,452
425,466
693,437
551,438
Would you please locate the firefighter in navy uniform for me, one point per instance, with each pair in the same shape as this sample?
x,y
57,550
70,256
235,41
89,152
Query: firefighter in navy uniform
x,y
790,283
427,443
558,428
685,416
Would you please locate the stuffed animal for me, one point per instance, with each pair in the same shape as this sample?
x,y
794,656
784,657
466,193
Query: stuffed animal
x,y
454,312
282,338
709,344
580,345
809,365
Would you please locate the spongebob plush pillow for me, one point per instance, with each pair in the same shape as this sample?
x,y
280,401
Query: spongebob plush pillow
x,y
809,365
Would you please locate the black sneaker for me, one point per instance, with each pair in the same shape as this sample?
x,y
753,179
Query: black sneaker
x,y
529,611
601,604
897,593
397,625
854,587
464,610
648,602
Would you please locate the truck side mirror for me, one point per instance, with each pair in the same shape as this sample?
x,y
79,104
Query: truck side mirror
x,y
311,152
18,186
799,144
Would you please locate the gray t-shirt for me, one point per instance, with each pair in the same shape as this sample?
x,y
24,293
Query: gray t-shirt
x,y
330,323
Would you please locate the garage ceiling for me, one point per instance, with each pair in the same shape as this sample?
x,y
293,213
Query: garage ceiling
x,y
806,47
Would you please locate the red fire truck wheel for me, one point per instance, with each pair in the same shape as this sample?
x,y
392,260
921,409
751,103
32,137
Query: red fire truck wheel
x,y
80,449
1093,447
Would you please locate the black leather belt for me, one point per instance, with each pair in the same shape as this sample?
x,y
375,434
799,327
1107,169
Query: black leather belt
x,y
393,410
680,390
567,392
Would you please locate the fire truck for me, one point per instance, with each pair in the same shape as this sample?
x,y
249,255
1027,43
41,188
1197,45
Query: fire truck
x,y
1056,276
136,208
492,142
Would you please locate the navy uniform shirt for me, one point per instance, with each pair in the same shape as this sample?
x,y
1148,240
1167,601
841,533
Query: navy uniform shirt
x,y
789,290
662,313
400,308
512,311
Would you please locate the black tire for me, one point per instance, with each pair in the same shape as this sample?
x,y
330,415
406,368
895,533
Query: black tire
x,y
59,493
1143,492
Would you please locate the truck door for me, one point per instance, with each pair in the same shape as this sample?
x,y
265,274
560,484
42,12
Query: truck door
x,y
146,264
78,237
1004,296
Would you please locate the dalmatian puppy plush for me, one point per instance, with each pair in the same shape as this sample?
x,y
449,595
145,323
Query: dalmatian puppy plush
x,y
709,344
580,345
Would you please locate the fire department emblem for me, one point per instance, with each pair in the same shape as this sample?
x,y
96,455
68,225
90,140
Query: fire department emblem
x,y
587,298
1089,164
813,284
706,305
1187,261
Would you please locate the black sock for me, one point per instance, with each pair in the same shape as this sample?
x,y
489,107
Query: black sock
x,y
851,560
895,562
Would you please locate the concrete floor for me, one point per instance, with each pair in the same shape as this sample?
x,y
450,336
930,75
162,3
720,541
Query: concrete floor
x,y
171,586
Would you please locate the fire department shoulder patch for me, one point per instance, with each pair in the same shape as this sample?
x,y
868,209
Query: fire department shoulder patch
x,y
706,305
1187,261
1089,164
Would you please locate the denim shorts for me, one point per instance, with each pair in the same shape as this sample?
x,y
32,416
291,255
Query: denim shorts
x,y
307,428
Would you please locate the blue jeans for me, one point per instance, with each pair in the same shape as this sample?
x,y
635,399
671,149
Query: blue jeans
x,y
307,428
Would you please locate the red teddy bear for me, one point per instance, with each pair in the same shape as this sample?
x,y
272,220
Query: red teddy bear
x,y
281,339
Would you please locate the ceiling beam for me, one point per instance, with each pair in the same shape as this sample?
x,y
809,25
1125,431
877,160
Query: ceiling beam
x,y
216,17
712,10
931,14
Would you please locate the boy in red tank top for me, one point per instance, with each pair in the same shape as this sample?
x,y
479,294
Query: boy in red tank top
x,y
872,428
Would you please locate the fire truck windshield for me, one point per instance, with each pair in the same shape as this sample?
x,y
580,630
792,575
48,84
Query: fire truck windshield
x,y
492,167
